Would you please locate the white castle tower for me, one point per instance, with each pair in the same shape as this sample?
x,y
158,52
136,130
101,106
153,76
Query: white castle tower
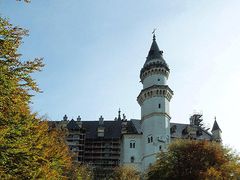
x,y
154,101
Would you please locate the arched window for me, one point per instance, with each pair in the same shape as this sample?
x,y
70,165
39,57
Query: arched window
x,y
132,144
150,139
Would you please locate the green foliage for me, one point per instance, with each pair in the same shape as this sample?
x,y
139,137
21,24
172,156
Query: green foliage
x,y
189,159
28,149
81,172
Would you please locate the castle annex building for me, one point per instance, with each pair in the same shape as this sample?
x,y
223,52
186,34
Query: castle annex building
x,y
105,144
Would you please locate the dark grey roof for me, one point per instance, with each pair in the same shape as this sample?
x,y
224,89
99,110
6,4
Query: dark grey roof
x,y
215,126
178,130
154,52
137,125
112,129
131,128
72,125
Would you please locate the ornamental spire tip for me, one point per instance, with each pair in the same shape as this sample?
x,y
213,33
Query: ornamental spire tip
x,y
154,35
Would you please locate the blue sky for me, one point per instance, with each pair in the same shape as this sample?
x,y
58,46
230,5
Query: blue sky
x,y
94,50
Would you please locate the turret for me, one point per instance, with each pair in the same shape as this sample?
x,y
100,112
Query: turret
x,y
154,101
216,132
100,129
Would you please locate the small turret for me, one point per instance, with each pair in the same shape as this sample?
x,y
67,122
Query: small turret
x,y
100,129
101,120
65,118
216,132
79,122
79,118
119,115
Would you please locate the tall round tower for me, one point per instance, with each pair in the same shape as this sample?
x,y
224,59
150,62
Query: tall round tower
x,y
154,101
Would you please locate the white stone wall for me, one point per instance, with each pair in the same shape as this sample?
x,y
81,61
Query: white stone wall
x,y
157,127
152,105
154,79
155,122
127,152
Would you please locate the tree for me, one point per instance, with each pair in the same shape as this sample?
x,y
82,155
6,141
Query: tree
x,y
81,172
126,172
28,148
190,159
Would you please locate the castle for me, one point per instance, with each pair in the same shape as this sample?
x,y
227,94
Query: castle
x,y
105,144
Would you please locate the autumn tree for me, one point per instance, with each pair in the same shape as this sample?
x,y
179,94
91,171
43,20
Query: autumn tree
x,y
28,148
81,172
125,172
190,159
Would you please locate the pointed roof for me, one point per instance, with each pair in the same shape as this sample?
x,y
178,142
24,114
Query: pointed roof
x,y
154,52
215,126
119,115
72,125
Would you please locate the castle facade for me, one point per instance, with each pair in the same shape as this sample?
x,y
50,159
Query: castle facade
x,y
105,144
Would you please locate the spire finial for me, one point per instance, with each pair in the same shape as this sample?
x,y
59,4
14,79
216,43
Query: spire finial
x,y
215,118
119,114
154,36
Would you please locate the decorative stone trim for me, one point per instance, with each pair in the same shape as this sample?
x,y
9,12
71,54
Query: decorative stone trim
x,y
152,71
149,155
155,91
154,67
156,114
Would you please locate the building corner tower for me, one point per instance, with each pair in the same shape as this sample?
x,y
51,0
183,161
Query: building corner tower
x,y
154,101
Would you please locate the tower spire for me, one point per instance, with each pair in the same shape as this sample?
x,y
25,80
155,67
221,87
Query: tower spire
x,y
216,131
154,52
215,125
119,114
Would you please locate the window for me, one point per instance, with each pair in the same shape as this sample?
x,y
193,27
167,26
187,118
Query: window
x,y
132,144
132,159
150,139
158,79
159,106
160,148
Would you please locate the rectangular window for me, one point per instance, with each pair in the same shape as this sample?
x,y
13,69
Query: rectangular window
x,y
132,144
150,139
159,106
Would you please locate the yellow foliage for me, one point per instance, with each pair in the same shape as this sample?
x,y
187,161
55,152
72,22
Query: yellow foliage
x,y
126,172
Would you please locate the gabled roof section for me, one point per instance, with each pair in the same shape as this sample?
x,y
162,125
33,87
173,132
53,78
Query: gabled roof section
x,y
137,125
72,125
215,126
133,127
